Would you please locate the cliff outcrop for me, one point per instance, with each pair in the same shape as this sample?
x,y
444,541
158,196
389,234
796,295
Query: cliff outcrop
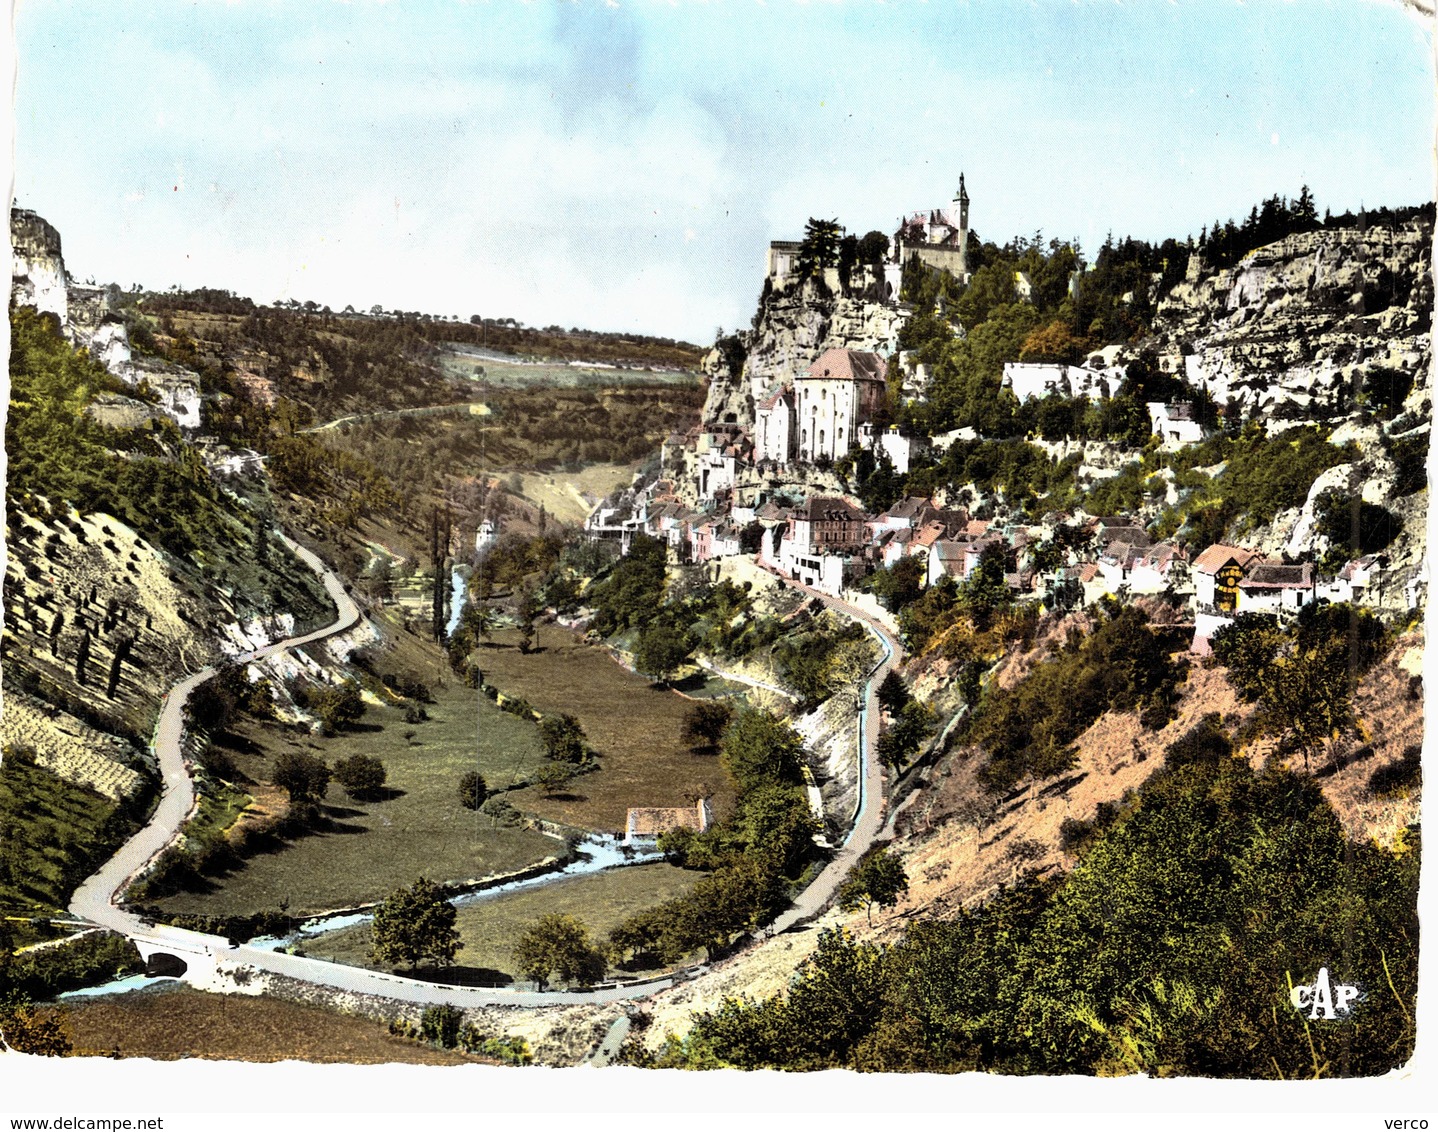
x,y
1297,328
37,272
89,319
792,327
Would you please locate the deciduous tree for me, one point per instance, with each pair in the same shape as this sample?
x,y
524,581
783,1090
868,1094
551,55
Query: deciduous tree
x,y
878,877
415,924
706,722
304,776
661,652
557,945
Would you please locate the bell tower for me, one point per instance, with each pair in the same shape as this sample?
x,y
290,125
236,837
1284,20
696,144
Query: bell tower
x,y
962,200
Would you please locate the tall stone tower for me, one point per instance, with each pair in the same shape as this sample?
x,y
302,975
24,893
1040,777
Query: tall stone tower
x,y
962,200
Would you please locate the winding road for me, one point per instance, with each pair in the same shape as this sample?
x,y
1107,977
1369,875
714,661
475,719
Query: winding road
x,y
94,900
869,813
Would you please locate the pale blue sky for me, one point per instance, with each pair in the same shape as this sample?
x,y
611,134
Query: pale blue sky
x,y
623,167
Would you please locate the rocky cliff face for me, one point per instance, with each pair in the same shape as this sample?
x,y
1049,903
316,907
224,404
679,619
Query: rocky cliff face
x,y
37,274
1294,329
793,327
38,280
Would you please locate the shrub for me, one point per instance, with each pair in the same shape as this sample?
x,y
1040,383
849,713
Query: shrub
x,y
472,790
361,776
1405,774
440,1025
1207,743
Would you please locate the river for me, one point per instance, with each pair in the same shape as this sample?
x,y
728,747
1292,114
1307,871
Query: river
x,y
594,854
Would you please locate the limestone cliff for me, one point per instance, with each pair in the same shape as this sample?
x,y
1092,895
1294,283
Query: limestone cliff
x,y
792,327
37,273
89,319
1294,328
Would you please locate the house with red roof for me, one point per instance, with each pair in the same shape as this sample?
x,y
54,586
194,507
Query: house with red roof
x,y
1230,580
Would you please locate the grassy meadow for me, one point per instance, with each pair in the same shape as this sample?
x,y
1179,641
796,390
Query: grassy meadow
x,y
489,928
367,849
635,726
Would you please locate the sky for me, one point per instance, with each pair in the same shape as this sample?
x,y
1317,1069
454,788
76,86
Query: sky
x,y
622,166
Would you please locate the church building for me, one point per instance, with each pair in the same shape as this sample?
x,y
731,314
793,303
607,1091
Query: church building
x,y
842,389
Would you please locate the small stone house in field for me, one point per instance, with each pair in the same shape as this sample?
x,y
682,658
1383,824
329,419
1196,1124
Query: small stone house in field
x,y
646,823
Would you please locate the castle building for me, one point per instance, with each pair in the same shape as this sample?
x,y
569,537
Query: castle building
x,y
842,389
782,260
938,236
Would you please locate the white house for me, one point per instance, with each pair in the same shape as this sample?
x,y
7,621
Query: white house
x,y
1030,380
1174,423
774,428
1229,581
717,470
1273,587
1356,578
902,450
1216,574
1157,568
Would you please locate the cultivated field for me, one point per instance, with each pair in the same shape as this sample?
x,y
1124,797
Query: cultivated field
x,y
570,496
633,725
489,928
420,829
172,1022
518,375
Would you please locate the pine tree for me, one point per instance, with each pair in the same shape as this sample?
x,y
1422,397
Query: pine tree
x,y
819,248
82,657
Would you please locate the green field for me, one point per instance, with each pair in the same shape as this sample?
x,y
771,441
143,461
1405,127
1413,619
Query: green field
x,y
489,928
53,834
368,849
515,375
633,725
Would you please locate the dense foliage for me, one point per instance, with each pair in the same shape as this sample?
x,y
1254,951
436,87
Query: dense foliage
x,y
1124,664
1170,949
1302,675
757,855
147,478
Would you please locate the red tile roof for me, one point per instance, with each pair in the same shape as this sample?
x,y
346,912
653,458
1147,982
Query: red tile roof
x,y
1218,555
849,365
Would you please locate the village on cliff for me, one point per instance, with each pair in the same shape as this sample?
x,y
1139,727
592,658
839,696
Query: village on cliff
x,y
764,472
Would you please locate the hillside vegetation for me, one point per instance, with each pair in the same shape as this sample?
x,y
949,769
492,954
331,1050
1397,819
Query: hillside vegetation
x,y
1169,949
